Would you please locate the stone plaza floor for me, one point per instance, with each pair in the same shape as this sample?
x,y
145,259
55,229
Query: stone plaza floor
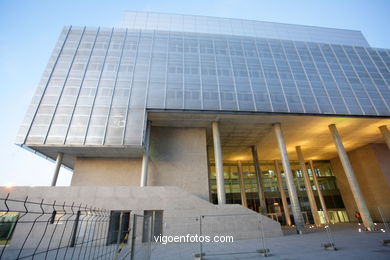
x,y
350,244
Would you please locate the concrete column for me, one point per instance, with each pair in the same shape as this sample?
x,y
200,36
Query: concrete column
x,y
57,169
286,210
386,134
218,164
292,192
209,174
242,185
321,197
353,183
309,190
145,158
263,205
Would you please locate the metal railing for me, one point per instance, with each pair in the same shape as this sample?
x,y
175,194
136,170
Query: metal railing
x,y
51,230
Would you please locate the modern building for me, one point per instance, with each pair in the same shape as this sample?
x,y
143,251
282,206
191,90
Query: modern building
x,y
176,113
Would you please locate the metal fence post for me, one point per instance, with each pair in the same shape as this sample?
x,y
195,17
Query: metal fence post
x,y
74,231
330,245
264,252
199,256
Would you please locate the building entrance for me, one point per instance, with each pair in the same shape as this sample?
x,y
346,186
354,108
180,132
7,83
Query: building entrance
x,y
269,185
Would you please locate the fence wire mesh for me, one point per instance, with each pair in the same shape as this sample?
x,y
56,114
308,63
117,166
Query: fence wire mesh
x,y
247,229
50,230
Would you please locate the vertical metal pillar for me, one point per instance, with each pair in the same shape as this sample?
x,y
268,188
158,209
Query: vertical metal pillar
x,y
296,209
57,169
145,158
218,164
74,229
321,197
386,134
309,189
242,185
286,210
263,205
353,183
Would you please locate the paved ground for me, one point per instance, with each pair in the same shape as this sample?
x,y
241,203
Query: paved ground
x,y
350,243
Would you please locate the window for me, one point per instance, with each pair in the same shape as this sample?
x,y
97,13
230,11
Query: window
x,y
119,226
7,225
157,217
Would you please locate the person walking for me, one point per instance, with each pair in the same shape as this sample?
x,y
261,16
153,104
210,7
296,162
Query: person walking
x,y
358,217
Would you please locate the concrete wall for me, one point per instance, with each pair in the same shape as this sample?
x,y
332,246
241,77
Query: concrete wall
x,y
371,164
181,212
106,172
178,157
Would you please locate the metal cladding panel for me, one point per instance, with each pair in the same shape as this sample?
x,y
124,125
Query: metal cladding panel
x,y
99,82
241,27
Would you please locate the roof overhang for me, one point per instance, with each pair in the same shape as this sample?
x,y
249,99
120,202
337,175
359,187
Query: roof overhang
x,y
239,131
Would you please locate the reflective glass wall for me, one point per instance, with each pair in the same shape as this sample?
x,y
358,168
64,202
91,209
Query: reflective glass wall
x,y
99,82
240,27
269,185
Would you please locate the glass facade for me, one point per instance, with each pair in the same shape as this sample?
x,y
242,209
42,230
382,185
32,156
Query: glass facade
x,y
269,185
99,82
240,27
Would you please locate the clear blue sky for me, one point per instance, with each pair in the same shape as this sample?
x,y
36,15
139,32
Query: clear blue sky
x,y
29,30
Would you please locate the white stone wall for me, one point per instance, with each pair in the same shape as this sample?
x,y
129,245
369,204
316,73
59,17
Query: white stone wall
x,y
371,165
